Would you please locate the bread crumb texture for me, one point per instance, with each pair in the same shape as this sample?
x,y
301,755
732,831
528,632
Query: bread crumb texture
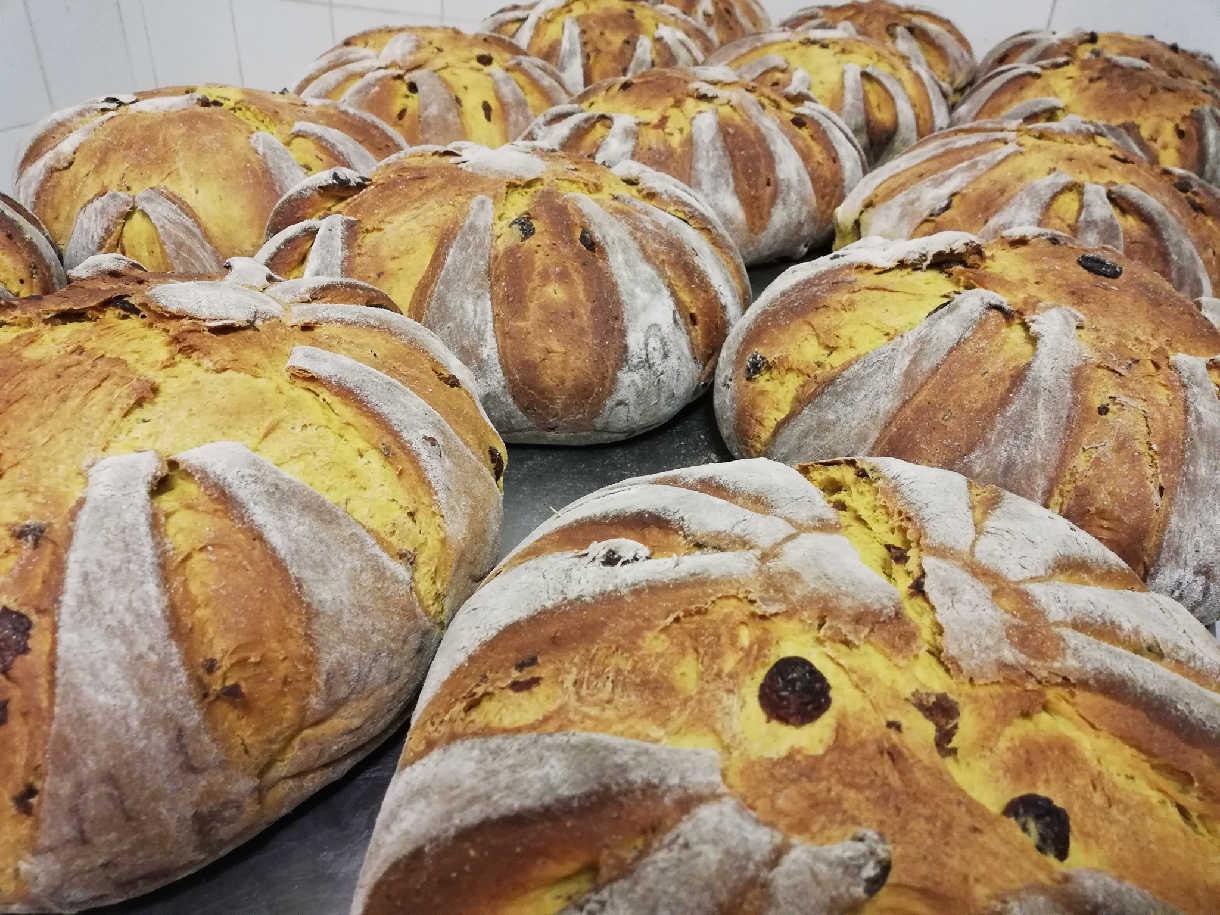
x,y
1072,376
231,526
907,691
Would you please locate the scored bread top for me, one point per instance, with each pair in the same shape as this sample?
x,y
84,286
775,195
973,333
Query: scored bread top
x,y
773,168
727,20
1172,59
858,679
1087,180
181,178
436,84
921,35
234,516
1175,121
29,260
589,302
887,101
1069,375
591,40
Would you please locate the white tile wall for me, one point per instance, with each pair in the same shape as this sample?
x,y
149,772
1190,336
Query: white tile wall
x,y
57,52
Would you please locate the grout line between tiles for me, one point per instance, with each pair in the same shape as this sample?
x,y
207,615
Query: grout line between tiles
x,y
1050,16
241,74
42,67
131,67
152,58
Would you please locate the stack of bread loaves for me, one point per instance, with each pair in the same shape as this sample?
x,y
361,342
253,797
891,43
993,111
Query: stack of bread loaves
x,y
937,641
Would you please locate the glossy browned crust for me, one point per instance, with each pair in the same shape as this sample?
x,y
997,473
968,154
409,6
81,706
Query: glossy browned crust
x,y
1122,455
877,19
665,100
201,154
727,20
238,619
1157,110
1170,58
611,664
1193,203
556,304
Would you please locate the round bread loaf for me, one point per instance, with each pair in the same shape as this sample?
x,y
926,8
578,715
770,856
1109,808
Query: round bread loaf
x,y
1032,46
1176,121
921,35
861,686
437,85
888,102
591,40
589,302
29,260
772,168
234,516
1087,180
1071,376
727,20
180,179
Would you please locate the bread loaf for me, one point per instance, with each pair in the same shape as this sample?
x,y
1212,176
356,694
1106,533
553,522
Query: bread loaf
x,y
727,20
1175,121
29,260
234,516
772,168
888,102
591,40
1071,376
1032,46
589,302
921,35
861,686
437,85
1087,180
180,179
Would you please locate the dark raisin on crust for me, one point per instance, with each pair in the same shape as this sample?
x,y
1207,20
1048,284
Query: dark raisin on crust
x,y
756,364
526,663
586,240
14,637
1044,821
524,225
3,712
23,801
497,463
1100,266
487,110
484,59
794,692
1103,409
448,379
942,710
233,691
521,686
30,533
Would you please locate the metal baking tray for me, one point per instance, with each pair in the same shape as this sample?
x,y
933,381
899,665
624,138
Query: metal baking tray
x,y
308,861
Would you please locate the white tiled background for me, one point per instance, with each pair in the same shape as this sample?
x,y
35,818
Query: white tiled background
x,y
55,53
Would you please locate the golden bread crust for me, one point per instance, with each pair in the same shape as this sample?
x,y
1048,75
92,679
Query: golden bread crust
x,y
1072,376
182,178
29,260
592,40
1175,121
590,302
1085,180
437,85
772,168
887,101
228,543
919,34
928,671
727,20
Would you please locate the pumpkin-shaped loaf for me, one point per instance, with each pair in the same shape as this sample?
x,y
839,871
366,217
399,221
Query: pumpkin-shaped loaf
x,y
921,35
181,179
727,20
29,261
858,686
591,40
589,302
1033,46
887,101
1087,180
234,516
1072,376
1175,121
437,85
773,168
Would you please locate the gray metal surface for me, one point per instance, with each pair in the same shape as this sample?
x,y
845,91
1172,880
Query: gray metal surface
x,y
307,863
